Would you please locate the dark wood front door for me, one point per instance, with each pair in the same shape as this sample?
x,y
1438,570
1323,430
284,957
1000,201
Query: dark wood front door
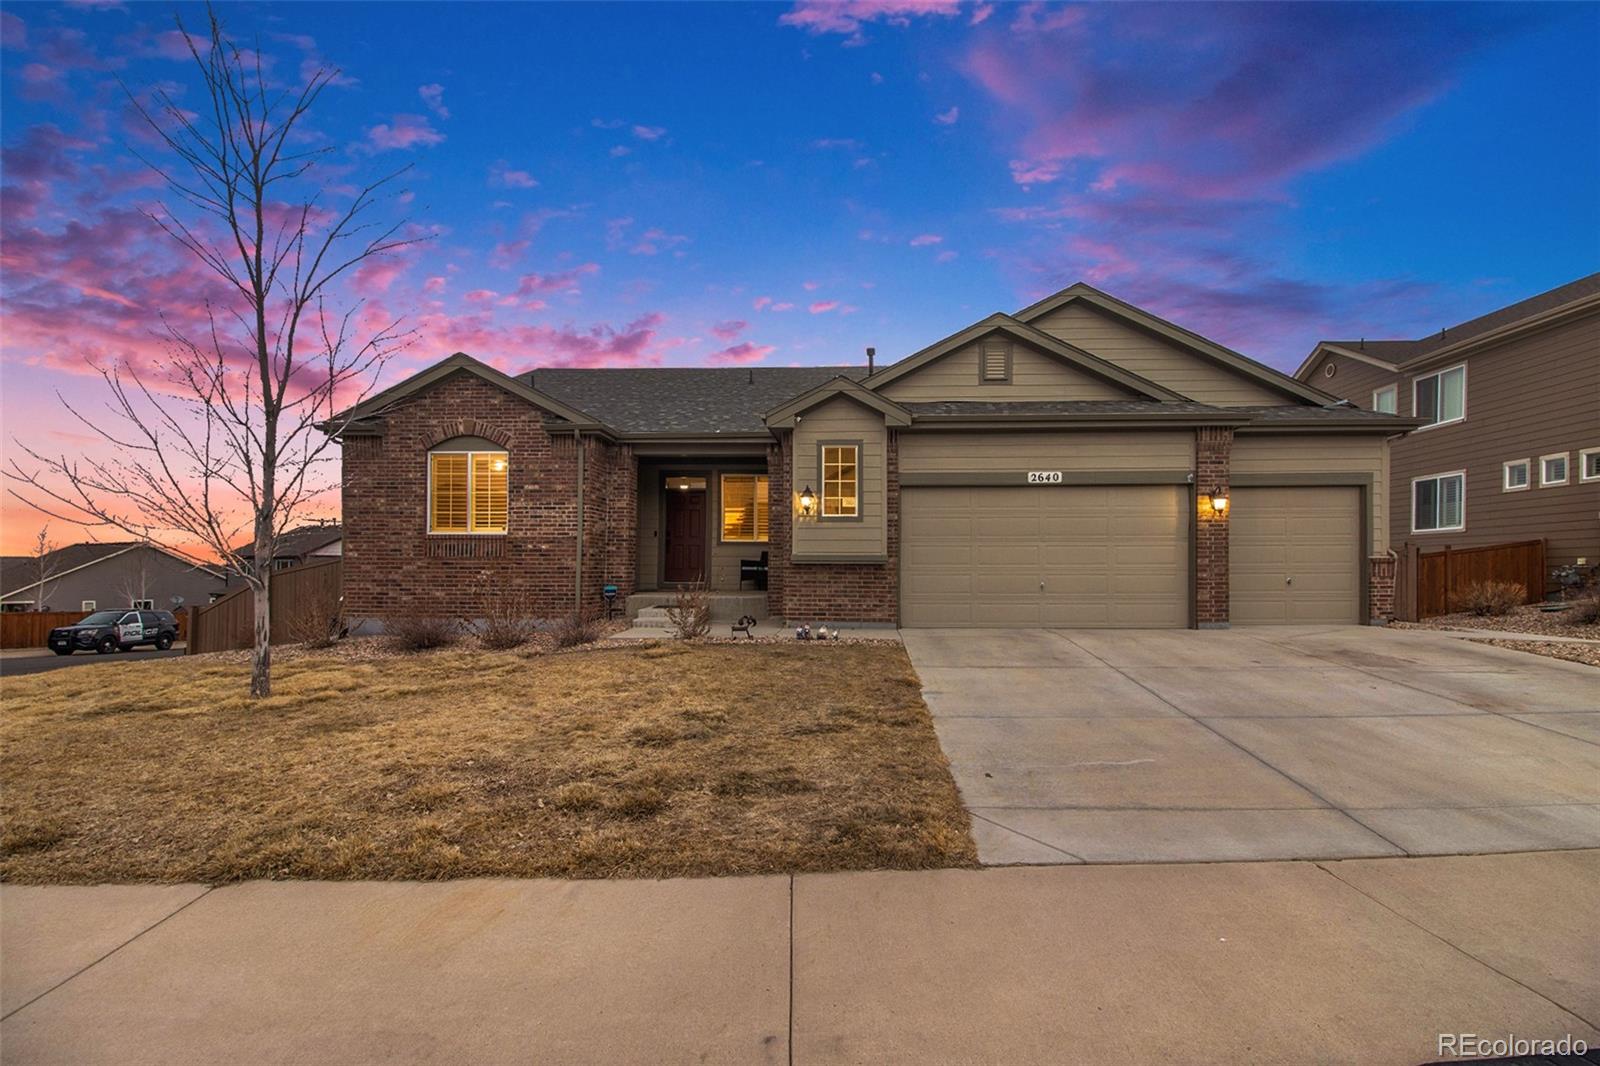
x,y
686,535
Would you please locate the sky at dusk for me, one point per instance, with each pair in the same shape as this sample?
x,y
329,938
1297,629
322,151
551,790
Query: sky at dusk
x,y
729,184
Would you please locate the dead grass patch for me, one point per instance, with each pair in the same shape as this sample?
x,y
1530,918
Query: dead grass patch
x,y
626,762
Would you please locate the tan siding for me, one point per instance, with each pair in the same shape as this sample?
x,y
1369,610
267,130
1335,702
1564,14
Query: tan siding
x,y
1034,376
842,420
1320,454
1532,396
932,452
1154,358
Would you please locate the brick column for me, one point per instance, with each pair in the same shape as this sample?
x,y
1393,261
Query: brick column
x,y
1212,448
1380,589
780,519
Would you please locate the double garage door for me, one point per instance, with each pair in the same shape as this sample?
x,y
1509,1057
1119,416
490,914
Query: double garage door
x,y
1119,556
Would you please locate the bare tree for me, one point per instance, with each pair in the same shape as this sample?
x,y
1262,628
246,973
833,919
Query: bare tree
x,y
135,584
43,566
226,442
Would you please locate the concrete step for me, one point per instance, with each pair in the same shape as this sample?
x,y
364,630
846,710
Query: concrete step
x,y
725,606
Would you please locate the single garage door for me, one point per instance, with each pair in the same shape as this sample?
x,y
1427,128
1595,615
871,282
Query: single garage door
x,y
1050,555
1294,556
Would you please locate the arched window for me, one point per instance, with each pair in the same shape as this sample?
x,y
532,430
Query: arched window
x,y
468,486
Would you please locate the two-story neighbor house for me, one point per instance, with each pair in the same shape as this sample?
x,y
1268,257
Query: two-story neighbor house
x,y
1079,463
1509,446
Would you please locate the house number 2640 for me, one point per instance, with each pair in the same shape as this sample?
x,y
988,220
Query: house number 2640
x,y
1044,477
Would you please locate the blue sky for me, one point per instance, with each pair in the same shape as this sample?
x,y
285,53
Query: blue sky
x,y
769,184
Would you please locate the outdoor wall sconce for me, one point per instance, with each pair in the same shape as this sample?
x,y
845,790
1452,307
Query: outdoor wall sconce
x,y
1219,503
808,502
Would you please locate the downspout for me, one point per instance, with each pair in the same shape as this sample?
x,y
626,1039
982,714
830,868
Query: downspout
x,y
577,587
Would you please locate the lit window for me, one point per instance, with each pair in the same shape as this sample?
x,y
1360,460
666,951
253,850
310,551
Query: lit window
x,y
744,507
1517,474
1442,397
840,481
467,492
1438,503
1384,399
1589,464
1553,469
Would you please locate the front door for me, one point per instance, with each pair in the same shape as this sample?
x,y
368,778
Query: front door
x,y
685,535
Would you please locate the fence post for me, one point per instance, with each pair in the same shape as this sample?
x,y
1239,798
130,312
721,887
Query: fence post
x,y
192,612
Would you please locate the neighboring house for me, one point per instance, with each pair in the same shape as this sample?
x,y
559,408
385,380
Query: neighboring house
x,y
319,540
1509,449
1079,463
91,576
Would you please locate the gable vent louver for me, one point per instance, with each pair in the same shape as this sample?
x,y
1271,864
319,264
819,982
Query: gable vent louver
x,y
995,360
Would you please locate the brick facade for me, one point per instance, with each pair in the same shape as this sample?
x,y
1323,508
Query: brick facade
x,y
1212,450
830,592
391,562
1380,589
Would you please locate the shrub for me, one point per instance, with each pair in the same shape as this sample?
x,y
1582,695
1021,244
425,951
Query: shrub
x,y
420,632
1488,598
1586,609
579,627
508,622
320,625
690,613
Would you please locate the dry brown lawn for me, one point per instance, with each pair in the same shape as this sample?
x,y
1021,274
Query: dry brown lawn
x,y
636,762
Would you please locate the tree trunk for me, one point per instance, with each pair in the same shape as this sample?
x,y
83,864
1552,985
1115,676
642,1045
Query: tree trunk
x,y
261,653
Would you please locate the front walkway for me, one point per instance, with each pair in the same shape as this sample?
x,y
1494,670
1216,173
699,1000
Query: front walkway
x,y
1360,961
1260,743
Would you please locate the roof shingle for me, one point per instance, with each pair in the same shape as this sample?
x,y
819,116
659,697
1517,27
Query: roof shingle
x,y
683,399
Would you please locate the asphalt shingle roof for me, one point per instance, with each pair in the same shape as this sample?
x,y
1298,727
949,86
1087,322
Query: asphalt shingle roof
x,y
1400,351
683,399
17,571
300,540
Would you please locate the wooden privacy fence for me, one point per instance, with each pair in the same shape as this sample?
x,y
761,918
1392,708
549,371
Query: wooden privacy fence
x,y
30,629
1427,583
312,590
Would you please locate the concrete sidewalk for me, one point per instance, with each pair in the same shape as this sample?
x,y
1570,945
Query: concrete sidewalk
x,y
1355,961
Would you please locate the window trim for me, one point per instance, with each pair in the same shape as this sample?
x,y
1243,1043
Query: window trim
x,y
469,531
822,481
1394,388
722,506
1566,469
1505,475
1583,465
1440,373
1412,503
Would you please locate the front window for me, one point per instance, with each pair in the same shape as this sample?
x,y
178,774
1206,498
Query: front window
x,y
744,507
841,478
88,605
1384,399
1438,503
1553,469
467,492
144,605
1517,474
1589,464
1441,398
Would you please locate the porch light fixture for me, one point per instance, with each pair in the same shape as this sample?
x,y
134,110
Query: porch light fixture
x,y
808,502
1219,503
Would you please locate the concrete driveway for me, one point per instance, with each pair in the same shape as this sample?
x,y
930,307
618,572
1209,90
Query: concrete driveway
x,y
1267,743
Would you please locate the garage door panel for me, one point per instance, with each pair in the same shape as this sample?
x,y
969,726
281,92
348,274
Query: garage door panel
x,y
1295,556
1107,556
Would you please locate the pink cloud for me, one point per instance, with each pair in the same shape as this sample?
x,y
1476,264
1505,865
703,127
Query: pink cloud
x,y
1027,173
783,305
729,330
506,254
566,281
652,241
404,132
744,352
946,256
435,285
847,17
433,96
923,240
649,133
822,307
502,175
948,118
761,302
620,150
481,296
980,14
811,286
